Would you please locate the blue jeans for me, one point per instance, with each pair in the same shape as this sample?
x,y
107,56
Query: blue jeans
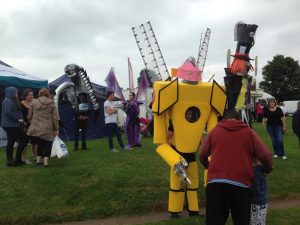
x,y
275,133
113,129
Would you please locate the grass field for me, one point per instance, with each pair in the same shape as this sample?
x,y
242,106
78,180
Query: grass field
x,y
100,184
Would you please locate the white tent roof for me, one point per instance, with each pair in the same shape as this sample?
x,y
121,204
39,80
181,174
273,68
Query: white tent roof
x,y
10,76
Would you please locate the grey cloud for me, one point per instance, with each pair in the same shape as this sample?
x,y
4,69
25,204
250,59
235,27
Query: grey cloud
x,y
43,37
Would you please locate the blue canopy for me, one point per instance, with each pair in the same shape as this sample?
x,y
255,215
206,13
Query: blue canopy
x,y
10,76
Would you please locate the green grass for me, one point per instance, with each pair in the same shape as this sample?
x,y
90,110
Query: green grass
x,y
100,184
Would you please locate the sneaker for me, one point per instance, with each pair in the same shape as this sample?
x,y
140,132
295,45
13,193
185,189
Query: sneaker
x,y
19,163
114,150
284,157
275,156
10,163
27,162
127,148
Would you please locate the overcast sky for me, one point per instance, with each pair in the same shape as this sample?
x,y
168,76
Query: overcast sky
x,y
40,37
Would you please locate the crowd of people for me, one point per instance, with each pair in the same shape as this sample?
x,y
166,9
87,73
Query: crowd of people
x,y
238,162
35,121
31,120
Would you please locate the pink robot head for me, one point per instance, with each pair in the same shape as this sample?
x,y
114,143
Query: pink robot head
x,y
189,71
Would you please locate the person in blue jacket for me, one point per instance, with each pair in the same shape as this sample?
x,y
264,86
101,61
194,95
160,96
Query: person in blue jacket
x,y
12,122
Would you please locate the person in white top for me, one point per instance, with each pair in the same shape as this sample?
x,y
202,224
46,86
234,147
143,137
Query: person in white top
x,y
111,117
281,105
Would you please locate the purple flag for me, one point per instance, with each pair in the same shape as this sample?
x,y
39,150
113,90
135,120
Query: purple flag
x,y
113,85
143,85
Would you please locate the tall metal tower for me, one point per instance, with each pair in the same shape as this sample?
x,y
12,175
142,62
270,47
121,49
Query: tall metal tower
x,y
203,48
150,50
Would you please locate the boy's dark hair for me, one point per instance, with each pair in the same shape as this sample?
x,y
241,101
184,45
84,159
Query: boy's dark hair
x,y
109,93
232,114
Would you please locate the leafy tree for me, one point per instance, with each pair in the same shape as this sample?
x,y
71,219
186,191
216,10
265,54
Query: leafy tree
x,y
151,75
282,78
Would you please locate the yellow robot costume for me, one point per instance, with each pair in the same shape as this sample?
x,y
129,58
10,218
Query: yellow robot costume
x,y
188,107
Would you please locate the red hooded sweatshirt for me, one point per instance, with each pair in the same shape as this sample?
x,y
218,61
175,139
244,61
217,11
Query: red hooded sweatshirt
x,y
232,146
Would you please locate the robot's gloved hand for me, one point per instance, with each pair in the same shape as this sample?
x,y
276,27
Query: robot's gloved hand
x,y
179,169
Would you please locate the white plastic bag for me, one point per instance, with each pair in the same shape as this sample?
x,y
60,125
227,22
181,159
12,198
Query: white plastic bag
x,y
59,148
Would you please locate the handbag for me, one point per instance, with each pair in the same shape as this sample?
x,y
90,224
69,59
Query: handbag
x,y
59,148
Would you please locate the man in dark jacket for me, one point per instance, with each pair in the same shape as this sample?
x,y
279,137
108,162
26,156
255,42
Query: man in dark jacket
x,y
232,145
296,122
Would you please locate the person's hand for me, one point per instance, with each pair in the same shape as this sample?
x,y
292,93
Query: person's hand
x,y
283,130
56,133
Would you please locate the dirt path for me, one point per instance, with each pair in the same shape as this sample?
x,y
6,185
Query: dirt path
x,y
130,220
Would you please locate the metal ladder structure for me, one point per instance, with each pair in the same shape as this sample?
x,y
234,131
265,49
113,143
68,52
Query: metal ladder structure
x,y
203,48
150,50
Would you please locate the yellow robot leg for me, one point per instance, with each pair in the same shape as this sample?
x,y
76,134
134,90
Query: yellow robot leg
x,y
176,194
192,189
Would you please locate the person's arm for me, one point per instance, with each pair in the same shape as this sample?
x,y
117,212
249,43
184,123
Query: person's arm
x,y
170,132
30,113
110,110
283,123
8,109
205,150
262,152
282,117
55,120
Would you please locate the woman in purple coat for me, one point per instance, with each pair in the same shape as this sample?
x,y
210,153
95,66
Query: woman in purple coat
x,y
132,125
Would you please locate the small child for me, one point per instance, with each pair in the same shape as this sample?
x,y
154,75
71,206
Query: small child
x,y
259,196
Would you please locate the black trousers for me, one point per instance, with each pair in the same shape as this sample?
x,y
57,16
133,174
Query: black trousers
x,y
43,147
80,124
222,199
15,134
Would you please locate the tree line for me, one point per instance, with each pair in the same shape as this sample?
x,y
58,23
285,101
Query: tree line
x,y
281,78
